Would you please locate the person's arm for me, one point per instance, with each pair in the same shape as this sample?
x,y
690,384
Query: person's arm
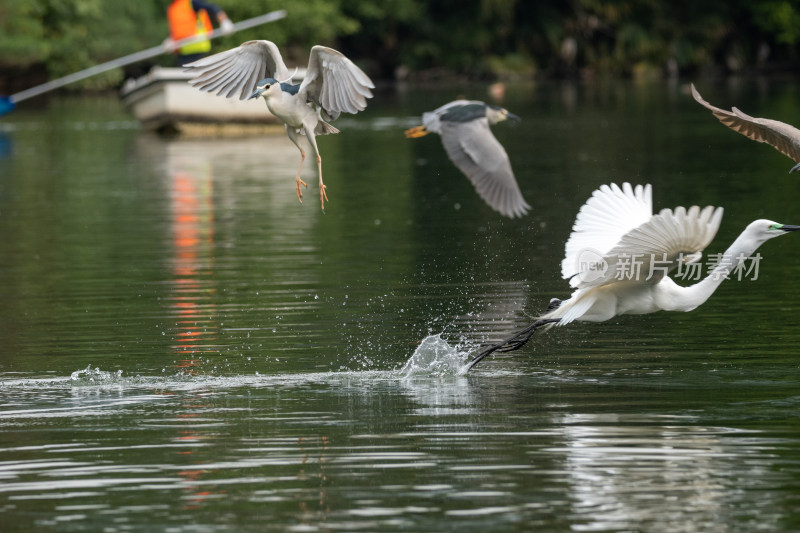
x,y
224,22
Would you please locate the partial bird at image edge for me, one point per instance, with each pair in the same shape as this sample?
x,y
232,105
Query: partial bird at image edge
x,y
783,137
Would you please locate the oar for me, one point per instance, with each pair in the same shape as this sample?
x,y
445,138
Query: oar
x,y
8,103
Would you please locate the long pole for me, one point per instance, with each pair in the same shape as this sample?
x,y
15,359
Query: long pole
x,y
135,57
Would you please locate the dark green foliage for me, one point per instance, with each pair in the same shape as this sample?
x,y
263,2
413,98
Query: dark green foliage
x,y
430,38
69,35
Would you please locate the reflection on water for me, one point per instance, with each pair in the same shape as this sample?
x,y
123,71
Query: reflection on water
x,y
185,347
386,451
618,472
192,227
5,145
195,314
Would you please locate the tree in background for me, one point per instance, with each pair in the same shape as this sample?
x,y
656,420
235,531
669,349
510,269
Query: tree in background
x,y
430,38
68,35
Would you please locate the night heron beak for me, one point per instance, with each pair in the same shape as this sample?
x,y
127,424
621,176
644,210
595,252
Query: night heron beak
x,y
256,93
512,116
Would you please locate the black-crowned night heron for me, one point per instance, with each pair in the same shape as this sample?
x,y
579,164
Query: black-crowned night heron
x,y
782,136
332,84
468,140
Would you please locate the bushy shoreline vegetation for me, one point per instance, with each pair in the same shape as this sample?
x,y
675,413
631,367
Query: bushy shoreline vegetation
x,y
421,39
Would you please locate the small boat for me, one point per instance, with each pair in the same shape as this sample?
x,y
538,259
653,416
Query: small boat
x,y
162,100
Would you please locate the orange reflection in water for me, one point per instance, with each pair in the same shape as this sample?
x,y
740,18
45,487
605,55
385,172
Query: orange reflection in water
x,y
192,228
191,306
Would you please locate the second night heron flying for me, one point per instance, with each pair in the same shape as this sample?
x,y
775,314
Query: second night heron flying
x,y
464,128
332,85
781,136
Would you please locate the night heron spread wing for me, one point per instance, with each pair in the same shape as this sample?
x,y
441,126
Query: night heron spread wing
x,y
464,128
236,72
332,85
783,137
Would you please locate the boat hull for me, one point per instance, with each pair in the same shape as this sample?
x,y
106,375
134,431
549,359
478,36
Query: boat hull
x,y
163,100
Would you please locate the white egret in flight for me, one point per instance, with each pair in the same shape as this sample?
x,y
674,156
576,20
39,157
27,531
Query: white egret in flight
x,y
619,255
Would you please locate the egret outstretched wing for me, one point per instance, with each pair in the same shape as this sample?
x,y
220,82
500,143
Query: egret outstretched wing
x,y
647,253
473,148
783,137
238,70
335,83
602,221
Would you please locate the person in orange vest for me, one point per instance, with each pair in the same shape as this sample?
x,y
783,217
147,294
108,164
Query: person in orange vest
x,y
188,18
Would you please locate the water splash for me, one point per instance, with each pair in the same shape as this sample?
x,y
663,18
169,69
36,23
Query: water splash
x,y
435,356
95,375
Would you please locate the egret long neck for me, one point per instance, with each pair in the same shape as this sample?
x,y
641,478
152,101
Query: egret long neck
x,y
741,249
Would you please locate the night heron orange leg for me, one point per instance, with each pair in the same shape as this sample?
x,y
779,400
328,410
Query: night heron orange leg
x,y
323,196
298,182
312,141
418,131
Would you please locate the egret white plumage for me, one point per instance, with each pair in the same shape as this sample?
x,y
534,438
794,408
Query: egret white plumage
x,y
781,136
468,140
332,85
619,256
